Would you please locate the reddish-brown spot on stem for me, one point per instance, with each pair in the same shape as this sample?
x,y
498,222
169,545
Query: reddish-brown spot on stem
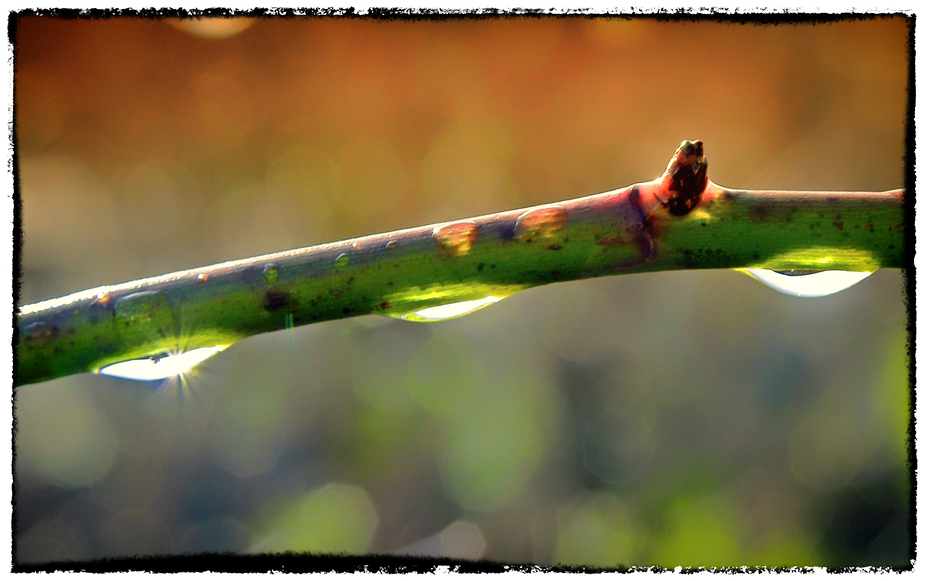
x,y
642,232
275,299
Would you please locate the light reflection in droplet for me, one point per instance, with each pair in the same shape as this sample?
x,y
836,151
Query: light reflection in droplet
x,y
451,311
153,368
808,284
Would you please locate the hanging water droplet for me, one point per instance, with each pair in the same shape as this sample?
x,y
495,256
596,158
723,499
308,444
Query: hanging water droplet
x,y
162,366
541,223
341,260
450,311
391,245
456,239
808,283
270,273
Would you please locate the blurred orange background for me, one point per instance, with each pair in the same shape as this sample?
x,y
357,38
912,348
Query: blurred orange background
x,y
694,418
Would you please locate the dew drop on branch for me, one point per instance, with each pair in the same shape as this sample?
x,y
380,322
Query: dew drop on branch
x,y
450,311
808,283
39,331
270,273
161,367
456,239
142,306
540,223
341,260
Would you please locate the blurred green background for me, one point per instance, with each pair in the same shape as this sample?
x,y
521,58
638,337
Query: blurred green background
x,y
692,418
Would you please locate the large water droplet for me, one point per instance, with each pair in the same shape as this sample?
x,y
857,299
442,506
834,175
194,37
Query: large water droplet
x,y
270,273
450,311
162,367
341,260
808,283
541,223
456,239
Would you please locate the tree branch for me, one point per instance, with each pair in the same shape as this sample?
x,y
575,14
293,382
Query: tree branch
x,y
680,221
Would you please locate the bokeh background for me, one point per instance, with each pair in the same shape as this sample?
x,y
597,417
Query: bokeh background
x,y
693,418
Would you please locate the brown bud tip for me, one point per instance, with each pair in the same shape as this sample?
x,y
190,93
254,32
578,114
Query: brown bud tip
x,y
685,178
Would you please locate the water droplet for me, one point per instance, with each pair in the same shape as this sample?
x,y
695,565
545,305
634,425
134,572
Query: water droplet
x,y
456,239
450,311
808,283
391,245
143,306
341,260
39,331
202,277
541,223
270,273
162,366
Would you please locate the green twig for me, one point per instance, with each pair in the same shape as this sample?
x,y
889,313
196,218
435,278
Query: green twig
x,y
680,221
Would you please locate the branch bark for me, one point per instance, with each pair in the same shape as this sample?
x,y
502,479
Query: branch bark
x,y
680,221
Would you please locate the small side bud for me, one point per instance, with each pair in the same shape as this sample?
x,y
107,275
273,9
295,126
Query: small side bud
x,y
685,178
